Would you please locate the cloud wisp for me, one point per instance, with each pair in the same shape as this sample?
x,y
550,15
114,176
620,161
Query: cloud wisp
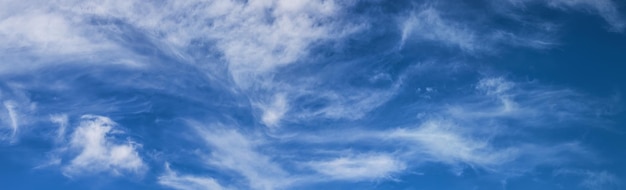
x,y
187,182
358,168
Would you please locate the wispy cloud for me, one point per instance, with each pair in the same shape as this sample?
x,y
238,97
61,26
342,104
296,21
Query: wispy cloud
x,y
13,118
232,151
443,142
474,131
504,99
360,167
592,180
607,9
44,33
274,111
187,182
62,121
427,24
469,33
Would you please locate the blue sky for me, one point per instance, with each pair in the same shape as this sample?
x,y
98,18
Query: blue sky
x,y
319,94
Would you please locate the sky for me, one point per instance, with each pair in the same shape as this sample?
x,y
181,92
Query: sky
x,y
313,94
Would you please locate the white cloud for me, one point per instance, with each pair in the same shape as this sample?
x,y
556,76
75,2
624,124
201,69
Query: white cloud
x,y
361,167
252,38
99,152
187,182
232,151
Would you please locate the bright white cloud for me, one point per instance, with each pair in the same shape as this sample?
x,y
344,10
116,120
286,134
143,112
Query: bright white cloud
x,y
358,168
98,150
187,182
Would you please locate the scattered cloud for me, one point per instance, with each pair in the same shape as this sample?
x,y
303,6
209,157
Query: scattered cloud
x,y
97,151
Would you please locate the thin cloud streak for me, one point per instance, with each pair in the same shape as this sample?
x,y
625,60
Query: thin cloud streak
x,y
172,179
10,107
358,168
